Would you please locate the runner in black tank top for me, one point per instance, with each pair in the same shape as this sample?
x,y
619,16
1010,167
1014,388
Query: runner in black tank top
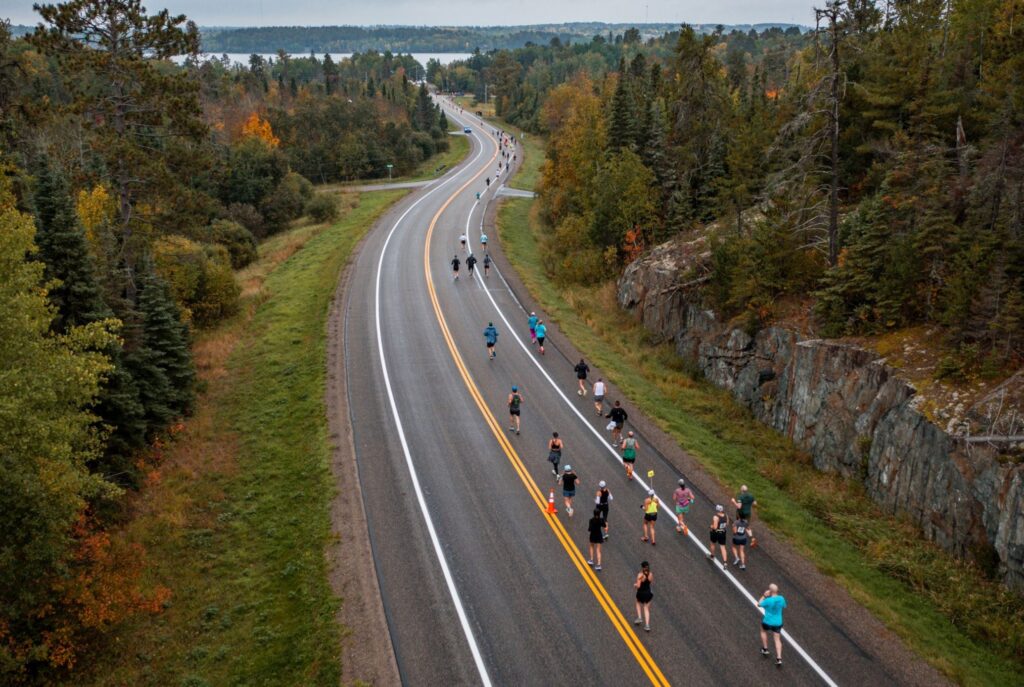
x,y
644,579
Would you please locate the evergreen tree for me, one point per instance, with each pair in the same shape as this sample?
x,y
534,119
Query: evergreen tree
x,y
622,123
62,247
161,362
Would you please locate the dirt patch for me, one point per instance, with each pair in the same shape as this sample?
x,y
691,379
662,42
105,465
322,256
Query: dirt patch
x,y
366,650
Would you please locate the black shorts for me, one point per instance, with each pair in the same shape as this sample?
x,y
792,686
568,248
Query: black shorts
x,y
650,517
490,345
717,537
596,538
739,542
771,628
603,509
579,376
513,411
540,340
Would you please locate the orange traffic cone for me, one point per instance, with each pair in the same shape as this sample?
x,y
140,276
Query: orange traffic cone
x,y
551,503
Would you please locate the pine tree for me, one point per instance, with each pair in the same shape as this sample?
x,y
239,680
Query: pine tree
x,y
161,364
621,126
64,251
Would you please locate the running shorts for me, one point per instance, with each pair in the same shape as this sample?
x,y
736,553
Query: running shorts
x,y
771,628
540,340
513,411
629,459
569,493
490,344
717,537
736,541
650,517
682,510
598,399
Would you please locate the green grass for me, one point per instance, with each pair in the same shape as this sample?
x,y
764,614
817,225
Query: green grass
x,y
237,521
947,610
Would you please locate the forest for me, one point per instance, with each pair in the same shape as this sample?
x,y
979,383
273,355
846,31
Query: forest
x,y
868,174
302,39
130,189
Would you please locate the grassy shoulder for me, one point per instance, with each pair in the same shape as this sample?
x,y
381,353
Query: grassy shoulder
x,y
946,610
236,518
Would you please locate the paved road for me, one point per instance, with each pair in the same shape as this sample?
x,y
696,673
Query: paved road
x,y
478,584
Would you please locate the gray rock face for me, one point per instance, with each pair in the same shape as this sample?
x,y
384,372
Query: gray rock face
x,y
848,409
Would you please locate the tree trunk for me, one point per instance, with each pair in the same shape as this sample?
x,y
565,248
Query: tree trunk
x,y
833,193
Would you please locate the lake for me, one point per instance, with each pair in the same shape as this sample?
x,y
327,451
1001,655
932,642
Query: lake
x,y
421,57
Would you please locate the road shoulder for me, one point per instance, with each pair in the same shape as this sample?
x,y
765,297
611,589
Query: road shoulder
x,y
367,651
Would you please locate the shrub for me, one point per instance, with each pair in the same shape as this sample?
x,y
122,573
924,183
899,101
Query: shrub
x,y
200,278
249,217
239,241
323,208
286,202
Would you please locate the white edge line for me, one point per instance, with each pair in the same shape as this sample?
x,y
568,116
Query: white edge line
x,y
449,581
700,545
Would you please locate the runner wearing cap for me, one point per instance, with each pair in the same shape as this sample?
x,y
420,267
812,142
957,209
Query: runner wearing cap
x,y
719,526
569,479
683,498
515,401
650,508
602,499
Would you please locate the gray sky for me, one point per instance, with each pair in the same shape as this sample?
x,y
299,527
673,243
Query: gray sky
x,y
462,12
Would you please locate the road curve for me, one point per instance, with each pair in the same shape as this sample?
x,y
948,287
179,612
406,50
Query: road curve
x,y
478,584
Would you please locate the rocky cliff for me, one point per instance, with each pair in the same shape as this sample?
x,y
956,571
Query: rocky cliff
x,y
846,407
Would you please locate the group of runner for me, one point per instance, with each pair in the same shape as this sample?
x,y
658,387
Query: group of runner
x,y
771,602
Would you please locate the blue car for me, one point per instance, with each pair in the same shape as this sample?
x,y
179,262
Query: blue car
x,y
467,130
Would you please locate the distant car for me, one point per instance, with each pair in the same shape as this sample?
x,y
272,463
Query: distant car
x,y
467,130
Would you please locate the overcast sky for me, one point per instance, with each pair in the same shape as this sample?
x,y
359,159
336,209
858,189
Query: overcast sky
x,y
462,12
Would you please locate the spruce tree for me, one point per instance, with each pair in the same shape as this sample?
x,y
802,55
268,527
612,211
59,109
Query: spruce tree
x,y
621,127
161,363
73,286
78,301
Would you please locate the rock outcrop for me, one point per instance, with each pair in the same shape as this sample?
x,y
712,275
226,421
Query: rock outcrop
x,y
846,407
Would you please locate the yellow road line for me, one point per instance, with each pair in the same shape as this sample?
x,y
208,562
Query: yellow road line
x,y
620,623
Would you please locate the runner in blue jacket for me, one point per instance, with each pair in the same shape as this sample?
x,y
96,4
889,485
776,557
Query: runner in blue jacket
x,y
490,338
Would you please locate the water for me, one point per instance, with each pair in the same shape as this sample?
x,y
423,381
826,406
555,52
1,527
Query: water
x,y
421,57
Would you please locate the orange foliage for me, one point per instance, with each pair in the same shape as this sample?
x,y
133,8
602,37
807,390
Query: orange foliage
x,y
103,589
260,128
633,244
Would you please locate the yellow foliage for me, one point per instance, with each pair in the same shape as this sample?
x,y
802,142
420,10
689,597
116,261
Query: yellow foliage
x,y
260,128
95,209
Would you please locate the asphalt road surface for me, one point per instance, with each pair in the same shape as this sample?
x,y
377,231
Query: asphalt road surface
x,y
479,584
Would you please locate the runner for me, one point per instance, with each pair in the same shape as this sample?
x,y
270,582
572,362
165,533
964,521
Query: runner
x,y
741,534
555,453
470,264
618,415
515,400
744,503
772,602
483,240
602,499
487,264
644,580
491,338
683,498
542,332
719,526
596,529
569,487
629,446
455,267
533,327
650,516
581,376
462,240
599,396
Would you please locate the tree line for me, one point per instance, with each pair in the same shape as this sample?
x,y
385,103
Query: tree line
x,y
870,171
130,188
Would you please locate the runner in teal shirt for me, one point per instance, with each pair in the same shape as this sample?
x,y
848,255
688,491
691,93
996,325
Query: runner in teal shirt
x,y
772,602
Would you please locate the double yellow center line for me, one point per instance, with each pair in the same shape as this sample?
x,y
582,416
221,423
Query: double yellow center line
x,y
620,623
